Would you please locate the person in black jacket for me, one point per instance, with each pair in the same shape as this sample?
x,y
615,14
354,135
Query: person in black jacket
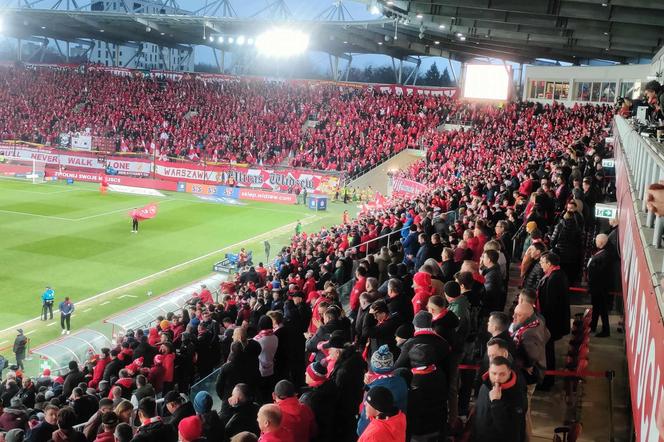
x,y
348,378
495,296
113,368
599,284
230,374
400,307
213,429
72,379
501,405
567,243
321,397
424,334
379,328
534,272
177,407
282,357
553,298
152,428
241,415
449,267
44,430
427,397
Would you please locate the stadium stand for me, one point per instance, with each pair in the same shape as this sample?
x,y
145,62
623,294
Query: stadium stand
x,y
389,314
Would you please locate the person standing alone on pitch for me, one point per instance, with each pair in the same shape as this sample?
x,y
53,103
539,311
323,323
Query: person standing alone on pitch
x,y
47,303
20,345
66,310
134,222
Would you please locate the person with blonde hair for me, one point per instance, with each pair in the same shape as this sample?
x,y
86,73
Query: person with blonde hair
x,y
124,411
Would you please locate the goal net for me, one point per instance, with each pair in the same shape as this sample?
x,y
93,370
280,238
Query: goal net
x,y
28,170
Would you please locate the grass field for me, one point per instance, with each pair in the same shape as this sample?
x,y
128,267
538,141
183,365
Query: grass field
x,y
79,242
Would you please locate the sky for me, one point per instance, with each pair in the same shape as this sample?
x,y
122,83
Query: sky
x,y
308,9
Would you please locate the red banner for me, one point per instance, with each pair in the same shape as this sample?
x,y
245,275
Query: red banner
x,y
402,187
644,332
148,211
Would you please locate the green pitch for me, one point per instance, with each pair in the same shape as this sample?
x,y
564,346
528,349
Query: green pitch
x,y
80,243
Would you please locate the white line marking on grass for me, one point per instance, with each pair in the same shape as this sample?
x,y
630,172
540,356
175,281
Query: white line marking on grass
x,y
52,323
127,296
30,332
287,227
36,215
3,342
87,310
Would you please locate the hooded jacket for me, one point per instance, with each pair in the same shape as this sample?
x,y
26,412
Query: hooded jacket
x,y
298,419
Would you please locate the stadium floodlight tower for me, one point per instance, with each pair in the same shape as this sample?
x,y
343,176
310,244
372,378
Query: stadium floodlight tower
x,y
337,11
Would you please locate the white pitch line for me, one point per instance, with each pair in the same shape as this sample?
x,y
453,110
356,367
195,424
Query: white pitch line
x,y
52,323
127,296
306,220
3,342
30,332
87,310
36,215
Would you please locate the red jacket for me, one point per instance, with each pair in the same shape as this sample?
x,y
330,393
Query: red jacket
x,y
106,436
359,288
420,300
298,419
169,367
392,429
206,297
281,435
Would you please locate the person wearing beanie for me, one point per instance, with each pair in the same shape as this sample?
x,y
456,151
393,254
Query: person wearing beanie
x,y
15,435
381,375
190,429
320,397
269,343
297,418
212,426
269,421
386,422
177,408
424,335
404,333
423,291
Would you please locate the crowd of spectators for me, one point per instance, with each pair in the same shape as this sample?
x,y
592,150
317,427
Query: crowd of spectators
x,y
300,361
247,121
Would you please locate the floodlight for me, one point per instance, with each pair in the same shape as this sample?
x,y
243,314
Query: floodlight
x,y
231,40
148,29
282,42
220,39
462,38
250,41
211,39
374,10
240,40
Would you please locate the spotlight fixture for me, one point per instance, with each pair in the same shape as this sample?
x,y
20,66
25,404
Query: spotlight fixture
x,y
437,42
380,43
241,40
282,42
250,41
441,26
420,16
211,39
462,38
148,29
220,39
231,40
459,34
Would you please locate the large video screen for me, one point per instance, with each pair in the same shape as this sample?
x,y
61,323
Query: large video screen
x,y
486,82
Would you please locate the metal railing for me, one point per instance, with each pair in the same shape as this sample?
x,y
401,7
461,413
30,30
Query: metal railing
x,y
644,165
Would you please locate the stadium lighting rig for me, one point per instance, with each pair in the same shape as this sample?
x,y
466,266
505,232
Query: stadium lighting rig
x,y
275,43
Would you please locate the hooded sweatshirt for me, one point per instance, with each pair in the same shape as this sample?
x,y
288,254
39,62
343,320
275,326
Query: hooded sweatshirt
x,y
391,429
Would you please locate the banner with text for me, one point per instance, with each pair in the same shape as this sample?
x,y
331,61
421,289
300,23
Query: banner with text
x,y
402,187
644,332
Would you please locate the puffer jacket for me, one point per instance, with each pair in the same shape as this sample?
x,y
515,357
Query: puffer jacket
x,y
566,241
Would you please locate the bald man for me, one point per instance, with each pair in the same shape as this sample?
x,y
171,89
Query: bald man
x,y
269,421
530,337
600,276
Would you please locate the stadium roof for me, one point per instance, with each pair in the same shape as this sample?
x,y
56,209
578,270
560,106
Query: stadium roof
x,y
515,30
618,30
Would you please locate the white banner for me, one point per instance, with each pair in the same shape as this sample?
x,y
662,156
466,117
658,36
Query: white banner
x,y
71,159
83,142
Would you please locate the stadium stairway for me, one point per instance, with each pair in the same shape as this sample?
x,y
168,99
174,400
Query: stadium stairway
x,y
593,413
377,177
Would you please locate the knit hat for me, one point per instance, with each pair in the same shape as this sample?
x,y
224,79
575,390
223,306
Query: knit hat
x,y
530,226
452,289
422,319
405,331
381,399
317,372
382,360
190,428
422,279
202,402
15,435
47,372
164,325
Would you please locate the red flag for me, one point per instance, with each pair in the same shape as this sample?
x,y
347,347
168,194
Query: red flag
x,y
146,212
